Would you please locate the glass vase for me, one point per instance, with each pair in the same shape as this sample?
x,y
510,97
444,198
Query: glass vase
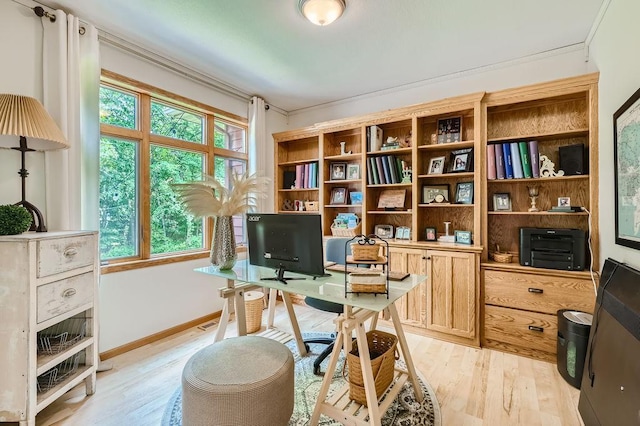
x,y
223,244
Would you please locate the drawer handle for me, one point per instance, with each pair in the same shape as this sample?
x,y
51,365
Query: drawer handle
x,y
536,328
70,251
70,292
535,290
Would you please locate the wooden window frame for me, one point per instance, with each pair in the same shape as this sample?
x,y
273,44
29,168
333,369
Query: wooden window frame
x,y
143,136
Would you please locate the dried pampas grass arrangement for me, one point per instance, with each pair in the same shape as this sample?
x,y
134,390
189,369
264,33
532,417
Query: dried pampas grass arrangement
x,y
209,197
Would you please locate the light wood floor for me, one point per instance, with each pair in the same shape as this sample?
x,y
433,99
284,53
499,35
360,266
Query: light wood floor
x,y
473,386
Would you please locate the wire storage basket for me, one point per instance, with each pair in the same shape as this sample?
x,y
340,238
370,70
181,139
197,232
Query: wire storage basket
x,y
52,377
382,351
61,336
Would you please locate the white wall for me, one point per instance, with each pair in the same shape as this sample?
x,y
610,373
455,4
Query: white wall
x,y
614,53
21,74
550,66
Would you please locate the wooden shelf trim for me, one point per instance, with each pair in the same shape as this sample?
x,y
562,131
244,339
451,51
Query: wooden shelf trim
x,y
388,212
449,175
352,156
447,146
344,181
430,205
391,151
544,213
298,189
329,206
295,162
541,137
388,185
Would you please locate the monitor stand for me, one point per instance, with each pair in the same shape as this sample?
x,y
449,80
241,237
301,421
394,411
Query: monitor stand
x,y
280,276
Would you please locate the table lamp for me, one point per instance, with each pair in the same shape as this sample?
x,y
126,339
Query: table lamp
x,y
22,117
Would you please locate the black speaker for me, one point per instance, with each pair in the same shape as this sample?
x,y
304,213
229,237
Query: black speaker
x,y
573,159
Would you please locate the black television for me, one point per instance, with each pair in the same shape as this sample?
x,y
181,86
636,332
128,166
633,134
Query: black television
x,y
610,389
286,242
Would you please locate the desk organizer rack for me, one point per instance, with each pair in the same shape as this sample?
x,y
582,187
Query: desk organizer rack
x,y
366,250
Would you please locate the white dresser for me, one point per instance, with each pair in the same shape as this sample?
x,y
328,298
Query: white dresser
x,y
48,319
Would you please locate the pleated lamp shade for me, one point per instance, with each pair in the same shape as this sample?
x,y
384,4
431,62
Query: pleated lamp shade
x,y
25,116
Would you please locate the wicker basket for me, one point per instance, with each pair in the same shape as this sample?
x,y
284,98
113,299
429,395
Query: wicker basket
x,y
382,349
502,257
253,305
368,282
366,252
346,232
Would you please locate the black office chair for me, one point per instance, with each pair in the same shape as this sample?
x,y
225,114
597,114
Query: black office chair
x,y
334,252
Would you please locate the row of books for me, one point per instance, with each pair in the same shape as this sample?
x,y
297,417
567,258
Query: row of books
x,y
513,160
305,176
385,169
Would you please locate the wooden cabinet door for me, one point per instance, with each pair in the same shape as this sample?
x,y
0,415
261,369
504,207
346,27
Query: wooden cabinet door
x,y
451,293
411,307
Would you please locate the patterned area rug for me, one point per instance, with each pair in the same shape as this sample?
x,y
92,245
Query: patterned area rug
x,y
404,411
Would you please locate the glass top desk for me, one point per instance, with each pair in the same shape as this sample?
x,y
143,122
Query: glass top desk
x,y
358,309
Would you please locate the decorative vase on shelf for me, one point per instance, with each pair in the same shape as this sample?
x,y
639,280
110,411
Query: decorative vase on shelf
x,y
223,244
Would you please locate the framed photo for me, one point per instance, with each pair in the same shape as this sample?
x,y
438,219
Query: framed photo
x,y
450,130
564,202
464,193
392,199
383,231
338,171
355,197
436,166
461,161
430,234
338,196
353,171
435,194
502,202
403,233
463,237
626,145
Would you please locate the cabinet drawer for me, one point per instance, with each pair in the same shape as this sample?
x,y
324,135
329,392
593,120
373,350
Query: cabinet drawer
x,y
521,328
539,293
62,296
65,254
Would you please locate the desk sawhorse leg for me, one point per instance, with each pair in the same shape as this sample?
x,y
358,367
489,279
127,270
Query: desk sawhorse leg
x,y
233,296
338,407
297,335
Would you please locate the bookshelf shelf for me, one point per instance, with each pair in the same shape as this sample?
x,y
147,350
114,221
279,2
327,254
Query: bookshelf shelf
x,y
545,213
542,137
448,175
544,180
343,181
334,206
298,190
296,162
389,185
447,146
343,157
388,212
391,151
443,205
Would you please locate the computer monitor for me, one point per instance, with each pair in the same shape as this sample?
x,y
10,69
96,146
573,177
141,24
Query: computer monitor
x,y
286,242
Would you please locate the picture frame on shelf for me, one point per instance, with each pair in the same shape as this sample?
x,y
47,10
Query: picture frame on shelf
x,y
626,145
338,171
449,130
430,234
461,161
353,171
436,166
403,233
355,197
338,196
502,202
463,237
435,194
464,193
564,201
384,231
392,199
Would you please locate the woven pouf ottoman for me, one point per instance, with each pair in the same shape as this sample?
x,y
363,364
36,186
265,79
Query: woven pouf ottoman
x,y
244,380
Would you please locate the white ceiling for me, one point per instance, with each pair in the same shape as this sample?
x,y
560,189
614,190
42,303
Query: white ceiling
x,y
266,47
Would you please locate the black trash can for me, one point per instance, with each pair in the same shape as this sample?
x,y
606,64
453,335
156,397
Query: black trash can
x,y
573,338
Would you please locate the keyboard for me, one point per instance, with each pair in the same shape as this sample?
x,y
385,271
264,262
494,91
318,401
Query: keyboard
x,y
393,276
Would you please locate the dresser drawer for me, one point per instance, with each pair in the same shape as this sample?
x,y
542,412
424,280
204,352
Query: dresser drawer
x,y
539,293
519,328
64,254
62,296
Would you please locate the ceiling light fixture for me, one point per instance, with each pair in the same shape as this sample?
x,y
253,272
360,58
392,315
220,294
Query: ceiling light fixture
x,y
322,12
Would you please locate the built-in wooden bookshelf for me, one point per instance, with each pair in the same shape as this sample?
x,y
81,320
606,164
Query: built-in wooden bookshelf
x,y
555,114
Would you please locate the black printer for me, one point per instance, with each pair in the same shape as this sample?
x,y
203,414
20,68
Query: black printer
x,y
563,249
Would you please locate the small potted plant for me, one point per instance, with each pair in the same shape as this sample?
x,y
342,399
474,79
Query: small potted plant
x,y
14,219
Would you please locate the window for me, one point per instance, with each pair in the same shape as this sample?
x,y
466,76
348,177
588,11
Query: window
x,y
150,139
